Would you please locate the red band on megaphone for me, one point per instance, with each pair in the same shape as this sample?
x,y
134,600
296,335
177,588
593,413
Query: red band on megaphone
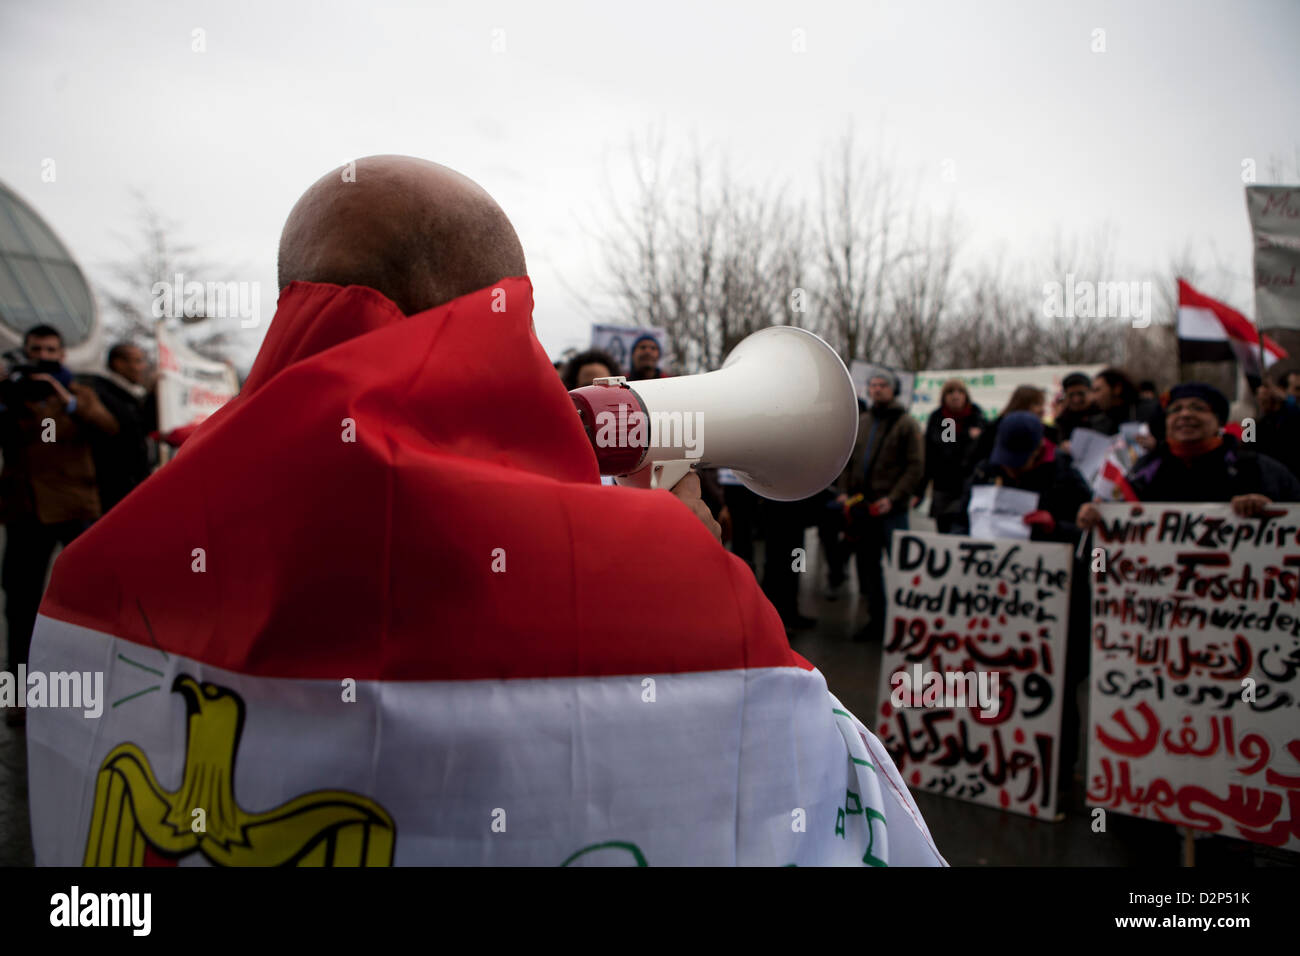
x,y
601,404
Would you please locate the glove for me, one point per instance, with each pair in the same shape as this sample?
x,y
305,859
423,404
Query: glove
x,y
1041,519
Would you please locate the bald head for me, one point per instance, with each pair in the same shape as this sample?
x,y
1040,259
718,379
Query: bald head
x,y
420,233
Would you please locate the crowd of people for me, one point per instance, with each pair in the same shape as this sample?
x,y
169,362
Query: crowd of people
x,y
1192,453
73,447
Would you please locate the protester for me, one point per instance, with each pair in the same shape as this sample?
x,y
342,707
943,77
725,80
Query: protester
x,y
1116,397
645,358
1025,398
415,594
950,436
1277,432
832,526
122,459
1022,457
585,367
1074,408
783,524
47,491
1198,463
884,470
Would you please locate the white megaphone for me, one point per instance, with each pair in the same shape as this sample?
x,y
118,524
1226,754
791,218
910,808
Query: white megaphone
x,y
781,413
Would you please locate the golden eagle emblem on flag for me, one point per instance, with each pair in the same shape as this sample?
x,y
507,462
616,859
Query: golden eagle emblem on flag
x,y
136,822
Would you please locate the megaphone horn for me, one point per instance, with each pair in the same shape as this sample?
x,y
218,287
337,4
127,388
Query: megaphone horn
x,y
781,413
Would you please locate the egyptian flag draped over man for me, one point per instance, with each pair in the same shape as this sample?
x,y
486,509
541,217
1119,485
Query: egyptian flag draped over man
x,y
379,610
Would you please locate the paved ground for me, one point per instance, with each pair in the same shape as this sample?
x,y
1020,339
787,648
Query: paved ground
x,y
968,835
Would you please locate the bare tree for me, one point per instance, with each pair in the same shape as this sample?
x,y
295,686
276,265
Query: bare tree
x,y
921,289
708,260
154,254
993,323
1073,336
856,214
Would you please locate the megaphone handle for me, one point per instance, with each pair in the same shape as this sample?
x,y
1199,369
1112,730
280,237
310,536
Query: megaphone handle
x,y
659,474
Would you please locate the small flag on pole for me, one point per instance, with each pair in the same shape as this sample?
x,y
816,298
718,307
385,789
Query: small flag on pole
x,y
1110,483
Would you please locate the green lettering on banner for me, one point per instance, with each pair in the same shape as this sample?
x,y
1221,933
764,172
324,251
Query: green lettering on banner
x,y
872,817
612,844
839,822
856,802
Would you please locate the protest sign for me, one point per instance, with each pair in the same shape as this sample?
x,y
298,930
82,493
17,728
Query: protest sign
x,y
1275,222
997,512
972,669
617,341
190,387
1195,654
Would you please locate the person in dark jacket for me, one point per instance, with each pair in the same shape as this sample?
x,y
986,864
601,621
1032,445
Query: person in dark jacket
x,y
645,359
1196,462
1277,432
122,460
1025,398
950,436
47,490
1114,393
1023,458
1075,406
876,485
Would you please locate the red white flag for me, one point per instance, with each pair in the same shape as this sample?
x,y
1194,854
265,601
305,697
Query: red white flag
x,y
1210,331
1111,484
379,609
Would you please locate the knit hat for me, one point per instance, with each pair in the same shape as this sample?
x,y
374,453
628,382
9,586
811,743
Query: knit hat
x,y
887,375
1207,393
646,337
1019,435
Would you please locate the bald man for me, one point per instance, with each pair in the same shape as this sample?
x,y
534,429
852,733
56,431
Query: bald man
x,y
384,590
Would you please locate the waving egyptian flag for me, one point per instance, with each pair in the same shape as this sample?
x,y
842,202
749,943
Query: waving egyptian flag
x,y
1210,331
380,610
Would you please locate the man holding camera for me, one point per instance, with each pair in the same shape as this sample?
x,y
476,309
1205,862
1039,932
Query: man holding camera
x,y
47,491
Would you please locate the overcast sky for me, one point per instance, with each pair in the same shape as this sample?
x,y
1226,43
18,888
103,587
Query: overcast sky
x,y
1044,134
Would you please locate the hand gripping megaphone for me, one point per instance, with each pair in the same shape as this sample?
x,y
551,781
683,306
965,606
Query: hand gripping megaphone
x,y
781,413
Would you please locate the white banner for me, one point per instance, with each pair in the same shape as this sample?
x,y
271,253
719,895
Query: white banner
x,y
1275,222
1195,655
984,621
190,387
990,388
